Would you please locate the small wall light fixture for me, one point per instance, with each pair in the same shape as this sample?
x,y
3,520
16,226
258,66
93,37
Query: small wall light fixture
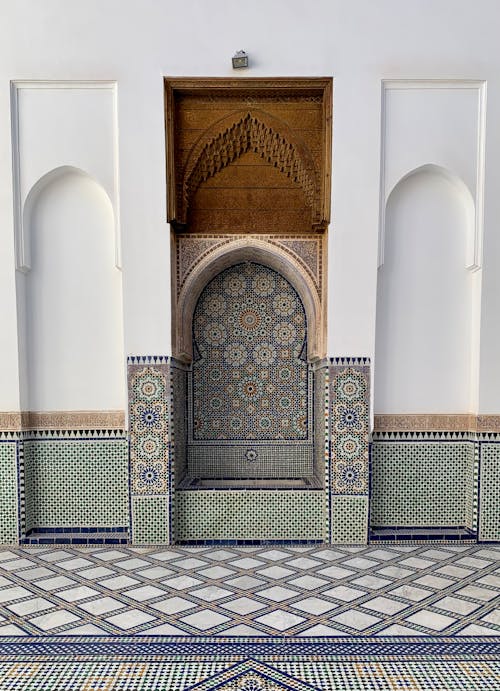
x,y
240,59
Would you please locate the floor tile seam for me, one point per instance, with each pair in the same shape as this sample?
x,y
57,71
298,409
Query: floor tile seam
x,y
467,620
435,596
60,569
461,620
432,571
71,607
328,617
194,571
83,616
83,580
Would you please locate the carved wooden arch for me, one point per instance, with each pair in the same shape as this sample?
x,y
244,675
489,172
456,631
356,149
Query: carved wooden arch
x,y
239,133
261,252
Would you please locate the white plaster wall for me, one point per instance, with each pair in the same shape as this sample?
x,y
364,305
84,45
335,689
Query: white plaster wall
x,y
358,42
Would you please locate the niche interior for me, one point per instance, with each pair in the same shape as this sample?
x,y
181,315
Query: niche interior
x,y
248,170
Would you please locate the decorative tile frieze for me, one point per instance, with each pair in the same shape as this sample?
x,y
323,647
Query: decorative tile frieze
x,y
462,422
62,420
349,519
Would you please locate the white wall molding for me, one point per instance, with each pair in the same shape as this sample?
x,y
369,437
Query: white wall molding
x,y
33,165
470,178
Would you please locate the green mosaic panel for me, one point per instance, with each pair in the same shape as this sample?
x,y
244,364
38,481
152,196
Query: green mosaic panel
x,y
349,520
80,483
489,500
8,493
150,520
422,483
250,515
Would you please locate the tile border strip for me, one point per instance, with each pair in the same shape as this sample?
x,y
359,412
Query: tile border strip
x,y
12,421
440,422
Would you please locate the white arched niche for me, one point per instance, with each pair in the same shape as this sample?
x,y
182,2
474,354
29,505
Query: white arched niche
x,y
427,322
70,297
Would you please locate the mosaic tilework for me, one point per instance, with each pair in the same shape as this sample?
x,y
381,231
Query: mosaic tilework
x,y
76,482
151,520
349,423
489,522
471,494
179,419
250,515
251,461
143,673
149,392
418,482
321,455
150,422
349,519
250,378
348,443
8,491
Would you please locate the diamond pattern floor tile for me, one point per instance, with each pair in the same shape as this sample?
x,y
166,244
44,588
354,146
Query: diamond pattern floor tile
x,y
173,605
205,619
252,591
344,593
280,620
277,593
354,619
101,606
52,620
456,605
385,605
314,605
243,605
430,620
129,619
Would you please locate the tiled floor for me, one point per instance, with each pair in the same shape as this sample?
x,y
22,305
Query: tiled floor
x,y
429,590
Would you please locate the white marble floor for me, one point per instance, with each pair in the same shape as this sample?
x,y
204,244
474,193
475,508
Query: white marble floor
x,y
431,589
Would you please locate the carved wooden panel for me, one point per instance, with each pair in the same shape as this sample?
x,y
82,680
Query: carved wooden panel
x,y
248,155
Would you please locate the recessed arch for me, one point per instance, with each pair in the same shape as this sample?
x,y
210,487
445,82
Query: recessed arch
x,y
23,239
70,297
464,197
427,306
237,252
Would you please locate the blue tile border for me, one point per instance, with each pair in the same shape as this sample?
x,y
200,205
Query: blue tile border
x,y
218,647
